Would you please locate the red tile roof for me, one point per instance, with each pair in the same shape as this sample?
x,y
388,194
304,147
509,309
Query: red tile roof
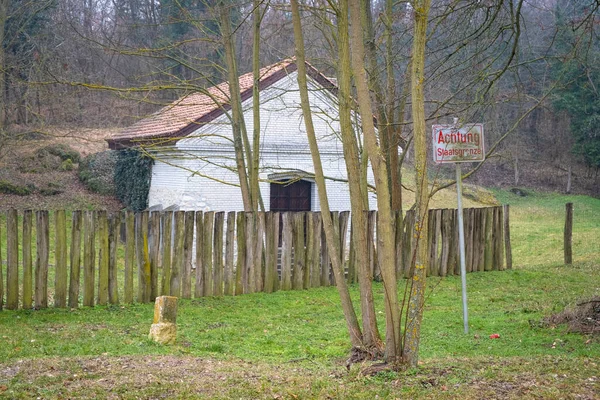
x,y
186,114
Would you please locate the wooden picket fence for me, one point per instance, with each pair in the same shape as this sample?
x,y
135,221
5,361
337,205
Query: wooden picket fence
x,y
131,257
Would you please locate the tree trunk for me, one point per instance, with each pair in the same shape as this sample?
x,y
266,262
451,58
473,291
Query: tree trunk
x,y
331,237
371,336
236,107
3,106
417,285
394,130
254,188
569,179
383,122
385,232
568,234
516,165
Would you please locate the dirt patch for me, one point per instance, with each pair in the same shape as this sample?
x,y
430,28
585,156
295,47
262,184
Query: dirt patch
x,y
182,376
583,318
144,377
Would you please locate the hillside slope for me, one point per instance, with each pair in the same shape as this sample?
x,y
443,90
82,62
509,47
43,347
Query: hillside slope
x,y
43,180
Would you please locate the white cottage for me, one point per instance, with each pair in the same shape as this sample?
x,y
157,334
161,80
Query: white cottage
x,y
193,143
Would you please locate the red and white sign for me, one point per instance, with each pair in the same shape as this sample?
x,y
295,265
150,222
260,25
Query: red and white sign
x,y
453,143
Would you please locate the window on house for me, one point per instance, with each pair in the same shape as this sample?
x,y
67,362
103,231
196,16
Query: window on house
x,y
290,197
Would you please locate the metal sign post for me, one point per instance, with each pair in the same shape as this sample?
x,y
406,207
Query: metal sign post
x,y
461,241
454,144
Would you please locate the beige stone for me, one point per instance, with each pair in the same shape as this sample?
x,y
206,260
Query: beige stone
x,y
165,309
163,333
164,328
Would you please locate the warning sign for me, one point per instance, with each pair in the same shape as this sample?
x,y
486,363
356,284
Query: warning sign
x,y
453,143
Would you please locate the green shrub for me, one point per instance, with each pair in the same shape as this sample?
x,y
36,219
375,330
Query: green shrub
x,y
132,178
10,188
63,151
67,165
97,171
50,192
43,161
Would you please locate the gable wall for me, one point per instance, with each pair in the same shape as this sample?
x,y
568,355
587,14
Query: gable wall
x,y
284,147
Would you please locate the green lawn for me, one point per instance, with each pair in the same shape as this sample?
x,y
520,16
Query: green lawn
x,y
294,344
537,223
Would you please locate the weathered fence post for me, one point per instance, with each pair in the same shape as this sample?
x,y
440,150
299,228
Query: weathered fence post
x,y
432,241
446,239
167,240
143,252
154,253
316,250
113,241
199,284
176,266
103,258
286,251
568,234
41,265
60,254
437,252
272,231
89,257
12,260
310,259
259,222
481,240
188,243
129,256
218,254
325,261
453,264
299,252
500,241
475,239
27,259
489,247
343,221
229,283
74,259
507,245
250,246
241,276
469,225
207,253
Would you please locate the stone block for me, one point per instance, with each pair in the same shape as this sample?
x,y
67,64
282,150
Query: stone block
x,y
163,333
164,328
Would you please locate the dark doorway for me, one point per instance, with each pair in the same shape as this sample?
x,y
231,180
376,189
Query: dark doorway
x,y
290,197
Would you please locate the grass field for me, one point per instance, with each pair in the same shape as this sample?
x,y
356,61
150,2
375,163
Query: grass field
x,y
294,344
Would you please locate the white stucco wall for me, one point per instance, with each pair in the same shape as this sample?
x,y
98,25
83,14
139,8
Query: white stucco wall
x,y
198,172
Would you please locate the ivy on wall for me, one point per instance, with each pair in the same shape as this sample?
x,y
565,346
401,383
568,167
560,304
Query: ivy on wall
x,y
132,178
